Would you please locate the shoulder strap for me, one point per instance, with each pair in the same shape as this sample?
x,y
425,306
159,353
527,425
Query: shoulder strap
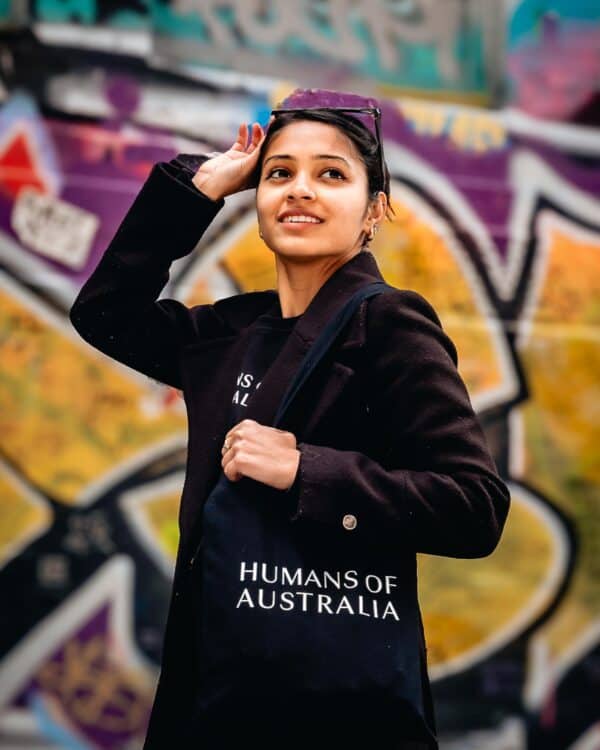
x,y
324,341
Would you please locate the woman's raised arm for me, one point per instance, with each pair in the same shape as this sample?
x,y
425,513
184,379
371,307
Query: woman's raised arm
x,y
117,310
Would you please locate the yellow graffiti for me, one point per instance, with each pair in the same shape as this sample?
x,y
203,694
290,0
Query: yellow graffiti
x,y
413,255
21,516
561,420
66,415
465,606
468,128
247,261
162,512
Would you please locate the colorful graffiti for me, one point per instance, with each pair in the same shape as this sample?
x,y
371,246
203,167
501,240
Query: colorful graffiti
x,y
414,45
417,45
542,36
473,51
500,231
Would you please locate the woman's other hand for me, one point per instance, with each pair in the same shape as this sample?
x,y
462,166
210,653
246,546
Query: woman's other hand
x,y
263,453
230,171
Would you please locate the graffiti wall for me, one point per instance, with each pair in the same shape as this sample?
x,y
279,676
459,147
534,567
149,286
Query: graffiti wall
x,y
417,45
497,223
500,232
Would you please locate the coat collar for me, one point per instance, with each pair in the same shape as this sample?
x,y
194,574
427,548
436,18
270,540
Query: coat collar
x,y
360,270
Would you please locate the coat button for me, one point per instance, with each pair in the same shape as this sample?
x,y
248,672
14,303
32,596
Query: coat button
x,y
349,521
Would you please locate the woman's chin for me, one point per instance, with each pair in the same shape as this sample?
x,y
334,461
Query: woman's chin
x,y
297,251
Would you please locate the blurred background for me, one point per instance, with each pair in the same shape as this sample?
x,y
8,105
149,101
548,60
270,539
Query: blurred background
x,y
492,135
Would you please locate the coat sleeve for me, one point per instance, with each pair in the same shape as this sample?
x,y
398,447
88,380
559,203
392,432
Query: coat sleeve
x,y
117,310
436,488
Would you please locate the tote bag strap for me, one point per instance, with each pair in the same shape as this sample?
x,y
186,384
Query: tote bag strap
x,y
324,341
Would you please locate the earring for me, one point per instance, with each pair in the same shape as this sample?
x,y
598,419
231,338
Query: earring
x,y
372,232
260,234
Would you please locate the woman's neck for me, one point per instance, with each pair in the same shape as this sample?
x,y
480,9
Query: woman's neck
x,y
299,281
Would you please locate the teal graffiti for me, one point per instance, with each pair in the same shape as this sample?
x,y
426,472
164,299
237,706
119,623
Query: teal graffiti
x,y
88,12
5,10
418,64
63,11
528,16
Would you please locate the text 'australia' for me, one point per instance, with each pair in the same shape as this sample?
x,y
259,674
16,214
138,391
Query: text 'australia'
x,y
362,604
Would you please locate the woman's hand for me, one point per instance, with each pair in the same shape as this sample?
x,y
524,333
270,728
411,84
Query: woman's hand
x,y
230,171
263,453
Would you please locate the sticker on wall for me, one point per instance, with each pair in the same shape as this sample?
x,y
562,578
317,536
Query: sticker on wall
x,y
54,228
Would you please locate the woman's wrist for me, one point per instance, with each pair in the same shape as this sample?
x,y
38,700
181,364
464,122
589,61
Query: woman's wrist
x,y
210,191
295,471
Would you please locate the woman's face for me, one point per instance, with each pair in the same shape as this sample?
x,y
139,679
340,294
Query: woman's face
x,y
312,196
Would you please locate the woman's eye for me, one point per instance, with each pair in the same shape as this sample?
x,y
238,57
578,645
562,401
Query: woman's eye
x,y
279,172
273,172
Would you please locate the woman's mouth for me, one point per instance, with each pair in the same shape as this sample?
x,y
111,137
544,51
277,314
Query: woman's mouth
x,y
300,220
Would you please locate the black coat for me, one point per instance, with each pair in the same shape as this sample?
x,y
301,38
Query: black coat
x,y
385,426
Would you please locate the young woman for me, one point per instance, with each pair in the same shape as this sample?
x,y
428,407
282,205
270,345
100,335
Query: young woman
x,y
383,443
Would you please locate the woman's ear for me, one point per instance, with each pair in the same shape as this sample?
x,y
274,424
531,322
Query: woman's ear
x,y
376,212
379,207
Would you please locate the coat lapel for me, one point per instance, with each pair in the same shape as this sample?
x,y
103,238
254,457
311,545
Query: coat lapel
x,y
332,295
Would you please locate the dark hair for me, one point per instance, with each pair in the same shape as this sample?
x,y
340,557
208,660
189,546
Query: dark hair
x,y
359,134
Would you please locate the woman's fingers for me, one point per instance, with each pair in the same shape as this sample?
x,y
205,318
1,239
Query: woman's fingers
x,y
242,138
248,139
253,138
258,136
257,133
253,143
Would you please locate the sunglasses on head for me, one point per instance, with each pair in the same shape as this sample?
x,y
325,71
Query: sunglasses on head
x,y
374,112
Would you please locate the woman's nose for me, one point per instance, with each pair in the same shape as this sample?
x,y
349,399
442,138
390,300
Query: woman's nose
x,y
300,188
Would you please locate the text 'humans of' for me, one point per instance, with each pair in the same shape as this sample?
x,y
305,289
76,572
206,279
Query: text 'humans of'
x,y
316,602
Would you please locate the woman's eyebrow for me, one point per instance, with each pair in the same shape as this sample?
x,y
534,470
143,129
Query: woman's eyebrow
x,y
316,156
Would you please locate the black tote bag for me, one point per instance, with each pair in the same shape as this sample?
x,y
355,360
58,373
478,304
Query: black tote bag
x,y
294,613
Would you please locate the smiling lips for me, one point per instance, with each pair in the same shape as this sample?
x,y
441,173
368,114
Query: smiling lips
x,y
300,219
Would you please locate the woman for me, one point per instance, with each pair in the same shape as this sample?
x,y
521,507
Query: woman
x,y
382,443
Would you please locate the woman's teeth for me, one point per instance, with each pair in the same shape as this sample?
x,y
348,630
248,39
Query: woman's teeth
x,y
297,219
